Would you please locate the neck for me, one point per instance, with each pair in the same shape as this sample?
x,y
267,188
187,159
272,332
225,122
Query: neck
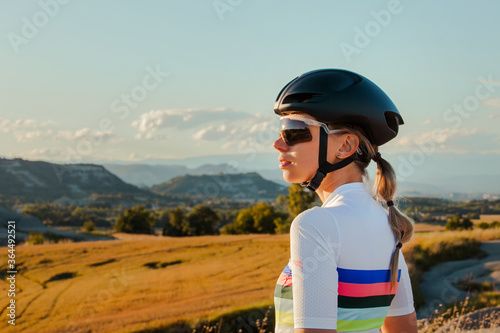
x,y
336,178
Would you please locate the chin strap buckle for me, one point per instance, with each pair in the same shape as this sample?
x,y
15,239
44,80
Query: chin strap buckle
x,y
314,183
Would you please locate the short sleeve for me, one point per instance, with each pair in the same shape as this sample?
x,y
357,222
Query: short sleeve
x,y
314,240
402,304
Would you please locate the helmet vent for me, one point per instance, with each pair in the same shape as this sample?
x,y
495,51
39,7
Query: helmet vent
x,y
299,98
393,121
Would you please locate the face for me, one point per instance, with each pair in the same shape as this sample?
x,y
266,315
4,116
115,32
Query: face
x,y
299,162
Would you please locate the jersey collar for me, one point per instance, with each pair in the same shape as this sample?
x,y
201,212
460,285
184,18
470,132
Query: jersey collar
x,y
341,190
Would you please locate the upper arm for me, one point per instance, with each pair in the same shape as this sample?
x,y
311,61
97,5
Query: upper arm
x,y
313,246
402,304
402,317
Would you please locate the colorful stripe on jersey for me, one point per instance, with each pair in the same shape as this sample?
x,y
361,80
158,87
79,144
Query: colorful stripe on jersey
x,y
364,298
283,302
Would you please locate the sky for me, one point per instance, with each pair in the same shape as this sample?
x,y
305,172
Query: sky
x,y
156,81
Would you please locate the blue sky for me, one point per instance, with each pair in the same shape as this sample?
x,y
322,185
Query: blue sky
x,y
143,81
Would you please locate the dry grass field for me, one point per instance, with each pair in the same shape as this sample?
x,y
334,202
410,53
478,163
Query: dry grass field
x,y
427,227
486,218
140,282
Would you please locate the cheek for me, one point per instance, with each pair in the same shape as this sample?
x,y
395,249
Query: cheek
x,y
307,160
308,157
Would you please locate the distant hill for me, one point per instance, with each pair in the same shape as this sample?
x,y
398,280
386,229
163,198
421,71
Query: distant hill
x,y
149,175
243,186
32,180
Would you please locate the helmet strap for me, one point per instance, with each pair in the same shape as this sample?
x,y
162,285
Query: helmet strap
x,y
324,166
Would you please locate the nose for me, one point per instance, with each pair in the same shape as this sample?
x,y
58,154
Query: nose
x,y
280,145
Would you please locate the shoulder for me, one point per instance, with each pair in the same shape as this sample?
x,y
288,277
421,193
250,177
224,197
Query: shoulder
x,y
317,220
315,229
313,215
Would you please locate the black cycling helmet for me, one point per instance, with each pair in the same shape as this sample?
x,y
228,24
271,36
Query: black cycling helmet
x,y
340,96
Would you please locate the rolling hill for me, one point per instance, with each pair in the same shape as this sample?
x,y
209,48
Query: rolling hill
x,y
246,186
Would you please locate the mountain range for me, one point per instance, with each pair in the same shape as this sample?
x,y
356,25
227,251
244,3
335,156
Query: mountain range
x,y
31,181
236,178
39,180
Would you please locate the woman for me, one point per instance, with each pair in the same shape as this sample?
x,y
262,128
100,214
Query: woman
x,y
346,264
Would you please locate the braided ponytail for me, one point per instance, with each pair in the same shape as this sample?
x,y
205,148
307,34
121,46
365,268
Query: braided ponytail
x,y
401,225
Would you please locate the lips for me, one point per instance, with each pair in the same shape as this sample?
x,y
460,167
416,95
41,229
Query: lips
x,y
284,163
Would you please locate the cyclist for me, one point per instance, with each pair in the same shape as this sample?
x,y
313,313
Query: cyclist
x,y
346,272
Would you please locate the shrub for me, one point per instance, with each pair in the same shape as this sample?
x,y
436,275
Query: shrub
x,y
89,226
494,224
483,225
35,238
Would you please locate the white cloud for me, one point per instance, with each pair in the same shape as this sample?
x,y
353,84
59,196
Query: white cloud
x,y
8,125
42,153
223,128
32,135
152,136
83,133
494,115
492,103
151,124
251,132
440,136
489,80
212,133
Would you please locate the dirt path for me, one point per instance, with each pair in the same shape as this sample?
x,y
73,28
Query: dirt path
x,y
438,285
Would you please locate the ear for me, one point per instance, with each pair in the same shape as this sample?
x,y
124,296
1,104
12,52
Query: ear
x,y
349,144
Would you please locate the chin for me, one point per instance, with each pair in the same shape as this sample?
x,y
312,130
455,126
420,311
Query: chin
x,y
292,178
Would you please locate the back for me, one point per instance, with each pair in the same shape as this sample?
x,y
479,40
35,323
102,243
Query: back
x,y
339,265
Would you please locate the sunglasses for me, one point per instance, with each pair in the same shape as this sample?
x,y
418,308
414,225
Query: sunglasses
x,y
295,129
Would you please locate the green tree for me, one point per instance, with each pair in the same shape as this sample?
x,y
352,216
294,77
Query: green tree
x,y
456,223
228,229
467,224
163,219
202,221
89,226
453,223
263,216
494,224
136,220
50,214
282,201
80,214
244,223
299,200
282,225
483,225
178,226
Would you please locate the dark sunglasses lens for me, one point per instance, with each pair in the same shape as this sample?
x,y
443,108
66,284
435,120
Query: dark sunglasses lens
x,y
294,131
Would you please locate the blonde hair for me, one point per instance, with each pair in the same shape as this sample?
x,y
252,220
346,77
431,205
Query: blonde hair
x,y
384,187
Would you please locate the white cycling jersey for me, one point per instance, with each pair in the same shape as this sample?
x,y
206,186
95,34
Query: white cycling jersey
x,y
340,255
